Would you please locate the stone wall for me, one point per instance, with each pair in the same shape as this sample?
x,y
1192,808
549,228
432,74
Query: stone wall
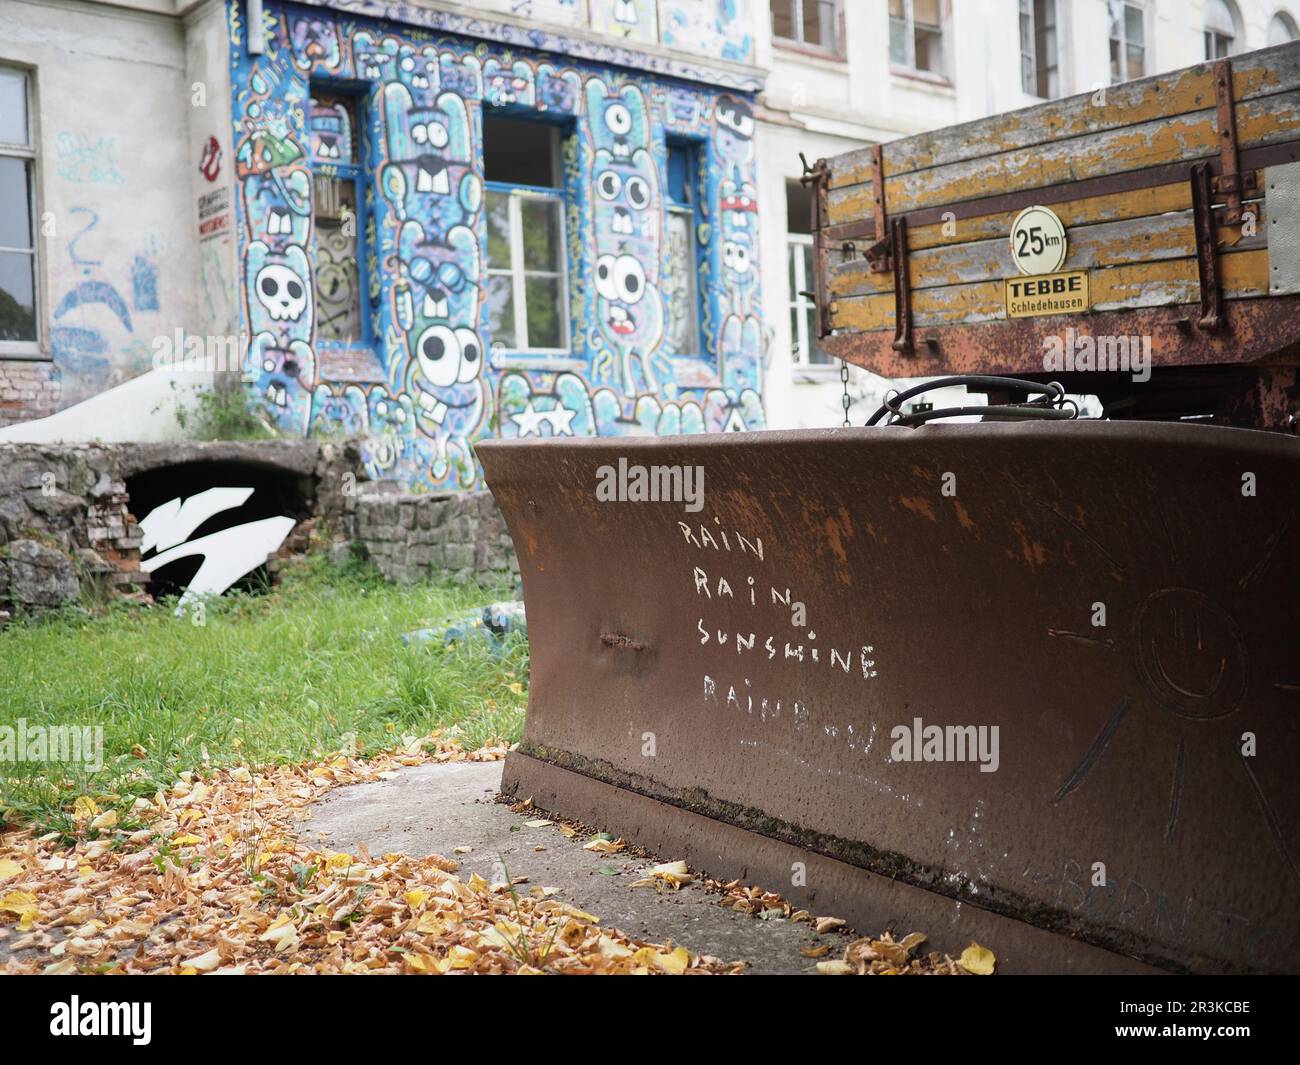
x,y
458,537
66,524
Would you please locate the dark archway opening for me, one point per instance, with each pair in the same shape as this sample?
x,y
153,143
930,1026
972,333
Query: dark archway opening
x,y
276,494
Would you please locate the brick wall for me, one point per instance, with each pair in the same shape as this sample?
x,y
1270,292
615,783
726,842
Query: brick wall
x,y
27,390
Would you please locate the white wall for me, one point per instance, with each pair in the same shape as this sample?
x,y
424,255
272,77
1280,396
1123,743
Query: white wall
x,y
111,180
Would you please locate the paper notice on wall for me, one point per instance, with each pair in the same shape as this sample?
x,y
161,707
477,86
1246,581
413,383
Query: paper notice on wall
x,y
214,214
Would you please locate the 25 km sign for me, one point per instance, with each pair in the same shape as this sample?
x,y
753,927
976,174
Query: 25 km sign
x,y
1038,241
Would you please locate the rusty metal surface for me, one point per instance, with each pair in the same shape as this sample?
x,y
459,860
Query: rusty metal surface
x,y
1230,181
1207,252
816,177
902,288
866,900
667,660
1262,329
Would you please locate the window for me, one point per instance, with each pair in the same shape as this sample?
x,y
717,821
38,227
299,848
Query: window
x,y
1220,29
336,177
681,282
810,22
527,292
1039,73
17,218
799,254
1281,29
1127,41
916,35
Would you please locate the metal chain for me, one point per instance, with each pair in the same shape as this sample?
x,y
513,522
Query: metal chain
x,y
844,380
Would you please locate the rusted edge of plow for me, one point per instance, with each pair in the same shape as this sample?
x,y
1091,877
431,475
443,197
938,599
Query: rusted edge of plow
x,y
863,898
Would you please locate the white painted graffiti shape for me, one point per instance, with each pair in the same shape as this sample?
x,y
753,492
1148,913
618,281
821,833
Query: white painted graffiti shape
x,y
227,555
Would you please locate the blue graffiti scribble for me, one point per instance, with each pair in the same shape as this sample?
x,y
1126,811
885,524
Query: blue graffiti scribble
x,y
88,292
144,284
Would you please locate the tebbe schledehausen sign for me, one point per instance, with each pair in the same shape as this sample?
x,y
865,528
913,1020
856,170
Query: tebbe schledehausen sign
x,y
1038,248
1065,293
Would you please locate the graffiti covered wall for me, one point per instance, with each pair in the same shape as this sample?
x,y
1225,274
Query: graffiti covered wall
x,y
427,377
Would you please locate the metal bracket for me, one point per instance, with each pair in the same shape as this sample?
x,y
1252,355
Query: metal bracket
x,y
1207,262
817,176
878,255
902,286
1231,184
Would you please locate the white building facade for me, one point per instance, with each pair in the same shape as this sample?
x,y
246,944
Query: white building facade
x,y
116,146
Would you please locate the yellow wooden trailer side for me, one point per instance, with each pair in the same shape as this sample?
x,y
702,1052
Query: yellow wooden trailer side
x,y
914,256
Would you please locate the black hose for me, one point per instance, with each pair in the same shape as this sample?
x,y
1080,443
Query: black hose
x,y
1053,405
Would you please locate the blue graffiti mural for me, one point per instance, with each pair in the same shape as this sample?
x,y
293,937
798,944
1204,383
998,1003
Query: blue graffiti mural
x,y
432,378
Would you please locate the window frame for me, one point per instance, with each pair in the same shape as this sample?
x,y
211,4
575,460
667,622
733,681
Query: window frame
x,y
34,350
1029,10
358,175
1123,40
1212,34
908,67
518,272
834,50
694,159
802,342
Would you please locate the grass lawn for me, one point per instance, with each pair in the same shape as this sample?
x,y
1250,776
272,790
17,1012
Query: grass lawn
x,y
276,677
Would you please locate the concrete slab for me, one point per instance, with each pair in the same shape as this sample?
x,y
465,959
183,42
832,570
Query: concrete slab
x,y
436,808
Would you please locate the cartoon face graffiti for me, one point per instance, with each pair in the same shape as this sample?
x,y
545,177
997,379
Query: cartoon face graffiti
x,y
508,87
282,292
429,176
440,279
342,413
418,71
282,375
376,59
331,133
315,43
620,282
739,204
734,130
278,281
425,275
277,207
445,381
736,261
557,91
619,121
629,197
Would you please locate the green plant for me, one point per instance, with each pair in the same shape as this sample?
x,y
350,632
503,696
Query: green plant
x,y
222,414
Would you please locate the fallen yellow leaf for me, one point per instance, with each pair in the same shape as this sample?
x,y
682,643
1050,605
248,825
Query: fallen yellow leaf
x,y
978,960
18,902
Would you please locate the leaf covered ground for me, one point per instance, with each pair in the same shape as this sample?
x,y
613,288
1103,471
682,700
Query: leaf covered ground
x,y
218,880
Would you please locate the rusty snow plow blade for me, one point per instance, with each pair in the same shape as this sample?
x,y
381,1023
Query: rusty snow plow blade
x,y
1032,684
